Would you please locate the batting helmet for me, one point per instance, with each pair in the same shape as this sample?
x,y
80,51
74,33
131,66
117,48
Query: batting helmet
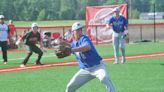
x,y
34,25
117,9
2,17
76,26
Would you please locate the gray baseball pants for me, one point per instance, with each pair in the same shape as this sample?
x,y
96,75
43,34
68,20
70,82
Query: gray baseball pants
x,y
85,75
118,42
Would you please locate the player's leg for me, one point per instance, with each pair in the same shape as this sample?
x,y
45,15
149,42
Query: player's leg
x,y
101,73
39,52
79,79
122,46
4,51
116,48
29,53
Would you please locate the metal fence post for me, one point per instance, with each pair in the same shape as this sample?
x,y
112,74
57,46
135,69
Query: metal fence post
x,y
141,32
63,31
154,23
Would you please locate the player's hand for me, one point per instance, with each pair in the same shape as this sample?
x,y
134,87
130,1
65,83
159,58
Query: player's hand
x,y
124,36
126,32
108,26
8,42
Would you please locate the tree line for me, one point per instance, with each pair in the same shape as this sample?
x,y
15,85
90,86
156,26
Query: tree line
x,y
31,10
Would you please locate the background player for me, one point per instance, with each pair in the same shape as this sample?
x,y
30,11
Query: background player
x,y
4,38
119,25
31,39
90,62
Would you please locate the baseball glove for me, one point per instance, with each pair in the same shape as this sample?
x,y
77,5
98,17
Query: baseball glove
x,y
62,51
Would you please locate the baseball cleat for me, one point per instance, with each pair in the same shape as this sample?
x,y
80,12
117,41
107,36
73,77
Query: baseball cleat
x,y
22,65
115,62
123,61
38,63
5,63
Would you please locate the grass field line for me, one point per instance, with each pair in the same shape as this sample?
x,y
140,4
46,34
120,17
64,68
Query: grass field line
x,y
17,68
33,57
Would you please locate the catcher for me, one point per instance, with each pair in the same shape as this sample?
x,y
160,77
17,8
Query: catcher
x,y
31,39
90,62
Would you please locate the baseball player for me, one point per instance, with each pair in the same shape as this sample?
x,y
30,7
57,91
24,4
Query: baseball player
x,y
4,38
90,62
68,36
119,25
31,39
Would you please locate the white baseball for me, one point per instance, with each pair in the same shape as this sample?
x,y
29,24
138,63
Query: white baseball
x,y
17,42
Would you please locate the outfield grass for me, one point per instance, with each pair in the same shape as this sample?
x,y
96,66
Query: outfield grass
x,y
48,23
139,21
70,22
15,58
139,75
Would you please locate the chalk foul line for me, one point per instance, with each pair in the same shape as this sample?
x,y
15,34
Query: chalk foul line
x,y
32,67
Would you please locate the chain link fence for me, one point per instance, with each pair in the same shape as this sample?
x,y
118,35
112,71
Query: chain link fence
x,y
145,24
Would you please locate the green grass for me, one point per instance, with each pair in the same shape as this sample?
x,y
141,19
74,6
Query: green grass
x,y
139,75
48,23
106,50
70,22
138,21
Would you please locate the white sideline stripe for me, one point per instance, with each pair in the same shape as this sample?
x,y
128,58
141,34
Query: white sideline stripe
x,y
70,63
44,56
140,56
36,67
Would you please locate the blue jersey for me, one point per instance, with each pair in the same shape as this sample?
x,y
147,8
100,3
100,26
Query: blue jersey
x,y
89,58
4,31
118,24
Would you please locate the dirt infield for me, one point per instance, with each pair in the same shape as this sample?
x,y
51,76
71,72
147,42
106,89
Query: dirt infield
x,y
70,63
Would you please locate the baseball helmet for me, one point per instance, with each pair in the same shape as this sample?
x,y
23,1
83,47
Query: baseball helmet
x,y
76,26
10,21
34,25
2,17
117,9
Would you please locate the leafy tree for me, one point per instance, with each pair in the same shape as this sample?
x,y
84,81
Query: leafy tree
x,y
31,10
41,15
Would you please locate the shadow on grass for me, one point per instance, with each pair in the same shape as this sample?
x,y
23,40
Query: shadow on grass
x,y
162,64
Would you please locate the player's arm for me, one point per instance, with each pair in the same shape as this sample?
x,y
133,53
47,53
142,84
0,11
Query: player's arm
x,y
9,35
21,38
40,40
109,23
41,43
126,25
82,48
108,26
63,42
126,28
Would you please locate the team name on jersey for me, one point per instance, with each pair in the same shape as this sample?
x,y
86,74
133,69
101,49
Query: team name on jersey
x,y
2,29
33,39
118,23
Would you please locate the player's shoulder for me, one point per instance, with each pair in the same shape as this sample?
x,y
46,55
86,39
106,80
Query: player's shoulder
x,y
123,17
112,17
29,33
3,24
84,37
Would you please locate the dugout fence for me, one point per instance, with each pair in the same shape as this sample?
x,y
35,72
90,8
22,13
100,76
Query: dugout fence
x,y
137,32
